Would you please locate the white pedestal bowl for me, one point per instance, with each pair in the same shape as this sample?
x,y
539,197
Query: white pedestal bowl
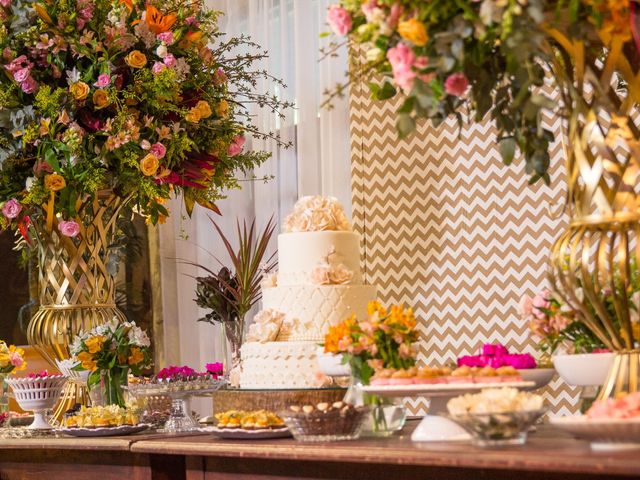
x,y
38,395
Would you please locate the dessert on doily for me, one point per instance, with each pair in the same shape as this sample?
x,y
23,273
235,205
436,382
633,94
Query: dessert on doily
x,y
445,375
319,283
253,420
101,417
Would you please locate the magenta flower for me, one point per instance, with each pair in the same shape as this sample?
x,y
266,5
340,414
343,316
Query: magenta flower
x,y
40,374
490,349
402,59
214,369
159,150
11,209
456,84
175,372
68,228
236,147
339,20
166,37
104,79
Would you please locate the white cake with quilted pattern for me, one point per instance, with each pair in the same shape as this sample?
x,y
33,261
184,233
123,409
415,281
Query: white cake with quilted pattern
x,y
319,284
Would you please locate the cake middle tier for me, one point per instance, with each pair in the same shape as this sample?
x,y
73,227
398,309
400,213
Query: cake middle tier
x,y
312,309
300,252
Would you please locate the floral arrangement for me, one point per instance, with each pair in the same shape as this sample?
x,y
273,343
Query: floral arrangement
x,y
384,340
317,213
558,325
11,358
109,352
175,373
441,56
496,356
144,99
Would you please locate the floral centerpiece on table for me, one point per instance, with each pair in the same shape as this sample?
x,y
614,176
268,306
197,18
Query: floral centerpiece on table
x,y
110,351
383,340
11,360
141,98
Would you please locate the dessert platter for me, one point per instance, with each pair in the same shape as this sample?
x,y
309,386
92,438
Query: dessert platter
x,y
325,422
242,425
611,424
100,421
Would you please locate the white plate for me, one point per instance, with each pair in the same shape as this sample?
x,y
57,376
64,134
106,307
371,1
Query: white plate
x,y
438,389
103,431
242,434
604,434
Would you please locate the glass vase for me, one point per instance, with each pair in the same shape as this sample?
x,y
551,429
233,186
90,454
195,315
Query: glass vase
x,y
386,417
109,389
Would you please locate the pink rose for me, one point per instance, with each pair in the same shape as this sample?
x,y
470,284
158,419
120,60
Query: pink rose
x,y
166,37
16,359
402,58
191,20
320,275
11,209
540,301
490,349
456,84
470,361
158,67
5,3
159,150
104,79
170,60
236,147
339,20
68,228
29,85
22,74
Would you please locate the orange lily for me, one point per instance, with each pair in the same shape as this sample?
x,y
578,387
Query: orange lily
x,y
159,23
128,4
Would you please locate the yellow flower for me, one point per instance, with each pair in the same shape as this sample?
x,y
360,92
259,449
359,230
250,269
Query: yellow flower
x,y
149,165
414,31
136,356
193,116
200,111
222,110
101,99
79,90
54,182
87,361
376,307
94,344
136,59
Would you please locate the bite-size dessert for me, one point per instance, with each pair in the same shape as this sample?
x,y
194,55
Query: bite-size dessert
x,y
324,421
627,406
101,417
435,375
253,420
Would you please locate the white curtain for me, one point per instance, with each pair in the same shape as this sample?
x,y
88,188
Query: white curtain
x,y
317,163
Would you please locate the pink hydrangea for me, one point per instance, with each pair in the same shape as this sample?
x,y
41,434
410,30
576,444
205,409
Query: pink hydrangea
x,y
11,209
166,37
104,79
339,20
402,59
68,228
158,149
456,84
236,147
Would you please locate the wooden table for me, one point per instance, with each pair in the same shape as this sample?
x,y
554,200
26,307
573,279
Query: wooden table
x,y
549,455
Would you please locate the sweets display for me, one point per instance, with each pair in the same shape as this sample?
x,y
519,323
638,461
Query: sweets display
x,y
319,284
259,419
324,421
495,400
101,417
627,406
428,375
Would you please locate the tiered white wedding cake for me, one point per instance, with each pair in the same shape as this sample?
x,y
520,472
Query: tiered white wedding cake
x,y
319,284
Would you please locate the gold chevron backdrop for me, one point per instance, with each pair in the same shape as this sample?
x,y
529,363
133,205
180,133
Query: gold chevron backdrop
x,y
451,231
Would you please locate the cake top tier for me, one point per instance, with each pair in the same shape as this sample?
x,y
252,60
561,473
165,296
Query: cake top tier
x,y
317,213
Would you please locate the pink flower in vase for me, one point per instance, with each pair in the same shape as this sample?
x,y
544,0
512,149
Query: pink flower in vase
x,y
456,84
5,3
29,85
22,74
16,359
214,369
11,209
402,59
104,79
158,67
339,20
159,150
169,60
540,301
68,228
166,37
236,147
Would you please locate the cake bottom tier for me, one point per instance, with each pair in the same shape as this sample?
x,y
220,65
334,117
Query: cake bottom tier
x,y
279,365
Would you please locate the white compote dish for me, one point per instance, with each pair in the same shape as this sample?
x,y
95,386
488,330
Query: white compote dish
x,y
37,394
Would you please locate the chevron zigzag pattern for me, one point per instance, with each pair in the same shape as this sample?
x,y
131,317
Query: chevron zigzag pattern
x,y
451,231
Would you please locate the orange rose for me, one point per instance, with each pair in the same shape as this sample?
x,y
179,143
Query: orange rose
x,y
54,182
79,90
204,109
149,165
136,59
101,99
414,31
222,110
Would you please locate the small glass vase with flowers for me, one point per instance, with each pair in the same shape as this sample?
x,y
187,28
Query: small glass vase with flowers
x,y
383,340
109,352
11,360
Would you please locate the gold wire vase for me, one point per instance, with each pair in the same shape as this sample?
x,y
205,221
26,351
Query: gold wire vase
x,y
76,288
594,263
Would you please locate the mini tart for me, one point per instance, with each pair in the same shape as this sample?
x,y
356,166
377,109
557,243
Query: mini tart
x,y
428,376
461,375
486,375
402,377
381,377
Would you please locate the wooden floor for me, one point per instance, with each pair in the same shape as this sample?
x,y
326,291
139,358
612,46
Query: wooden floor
x,y
549,454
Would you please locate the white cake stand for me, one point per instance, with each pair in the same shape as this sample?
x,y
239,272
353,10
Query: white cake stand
x,y
433,427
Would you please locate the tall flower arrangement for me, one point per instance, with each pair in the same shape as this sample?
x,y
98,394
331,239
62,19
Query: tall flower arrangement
x,y
145,99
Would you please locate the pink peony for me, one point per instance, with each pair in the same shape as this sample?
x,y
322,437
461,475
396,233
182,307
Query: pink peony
x,y
158,67
456,84
68,228
339,20
22,74
166,37
402,59
11,209
236,147
170,60
214,369
490,349
104,79
159,150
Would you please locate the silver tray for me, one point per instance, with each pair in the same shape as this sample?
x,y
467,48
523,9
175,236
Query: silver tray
x,y
242,434
103,431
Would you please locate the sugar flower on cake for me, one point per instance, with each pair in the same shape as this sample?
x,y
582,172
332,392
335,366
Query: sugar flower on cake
x,y
326,273
269,280
266,326
317,213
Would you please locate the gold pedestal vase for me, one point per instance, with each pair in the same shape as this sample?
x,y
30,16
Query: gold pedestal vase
x,y
594,263
76,286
